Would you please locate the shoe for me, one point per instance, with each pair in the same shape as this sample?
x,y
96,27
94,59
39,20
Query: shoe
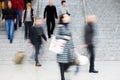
x,y
38,64
93,71
11,41
20,24
49,36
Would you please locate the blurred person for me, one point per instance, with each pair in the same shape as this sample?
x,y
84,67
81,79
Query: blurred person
x,y
50,14
0,7
18,5
36,35
4,5
9,17
63,9
89,36
28,19
65,59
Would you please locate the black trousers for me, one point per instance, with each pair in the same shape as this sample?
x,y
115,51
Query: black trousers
x,y
50,27
92,56
15,26
28,26
63,68
37,48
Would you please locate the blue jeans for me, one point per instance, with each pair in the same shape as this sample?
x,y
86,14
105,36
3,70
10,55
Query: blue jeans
x,y
37,48
19,17
10,28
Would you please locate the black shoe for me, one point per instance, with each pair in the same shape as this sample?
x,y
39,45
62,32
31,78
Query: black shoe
x,y
11,41
8,37
20,24
38,65
49,36
93,71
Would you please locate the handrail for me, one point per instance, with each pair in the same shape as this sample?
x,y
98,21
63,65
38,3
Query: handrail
x,y
84,9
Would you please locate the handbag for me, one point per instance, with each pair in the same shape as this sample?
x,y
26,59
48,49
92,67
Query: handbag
x,y
80,59
57,45
19,57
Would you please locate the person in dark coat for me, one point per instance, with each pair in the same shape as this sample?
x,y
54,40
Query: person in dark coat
x,y
36,35
89,36
9,17
63,31
50,14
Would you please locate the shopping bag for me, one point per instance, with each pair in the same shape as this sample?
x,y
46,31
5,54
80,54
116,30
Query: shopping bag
x,y
57,45
80,59
19,57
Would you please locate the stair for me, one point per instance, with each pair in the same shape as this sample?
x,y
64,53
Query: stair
x,y
107,37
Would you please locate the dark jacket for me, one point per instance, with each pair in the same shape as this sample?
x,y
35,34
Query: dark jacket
x,y
25,13
50,12
89,33
36,35
9,14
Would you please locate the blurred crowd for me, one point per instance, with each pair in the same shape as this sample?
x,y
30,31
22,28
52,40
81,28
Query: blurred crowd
x,y
16,12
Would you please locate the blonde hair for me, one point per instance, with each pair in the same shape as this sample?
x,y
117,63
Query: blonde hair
x,y
29,4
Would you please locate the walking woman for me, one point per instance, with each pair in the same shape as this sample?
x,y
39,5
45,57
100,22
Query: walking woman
x,y
63,32
28,19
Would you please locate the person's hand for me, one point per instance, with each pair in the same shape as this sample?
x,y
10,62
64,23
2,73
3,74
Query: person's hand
x,y
44,19
67,37
14,20
85,46
46,41
3,20
56,20
74,49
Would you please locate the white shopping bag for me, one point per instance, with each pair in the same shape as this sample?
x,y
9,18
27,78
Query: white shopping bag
x,y
57,45
81,59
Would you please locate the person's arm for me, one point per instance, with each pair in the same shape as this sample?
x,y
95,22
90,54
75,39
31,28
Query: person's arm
x,y
23,15
86,38
15,15
4,15
59,29
56,13
45,12
42,34
44,37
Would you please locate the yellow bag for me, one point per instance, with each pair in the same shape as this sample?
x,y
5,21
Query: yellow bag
x,y
19,57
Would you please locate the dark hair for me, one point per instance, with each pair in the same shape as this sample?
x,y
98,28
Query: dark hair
x,y
63,1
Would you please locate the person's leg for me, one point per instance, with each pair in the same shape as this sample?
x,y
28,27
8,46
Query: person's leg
x,y
53,26
48,28
92,59
92,56
26,30
20,17
11,30
37,48
62,71
7,28
66,66
29,28
15,26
